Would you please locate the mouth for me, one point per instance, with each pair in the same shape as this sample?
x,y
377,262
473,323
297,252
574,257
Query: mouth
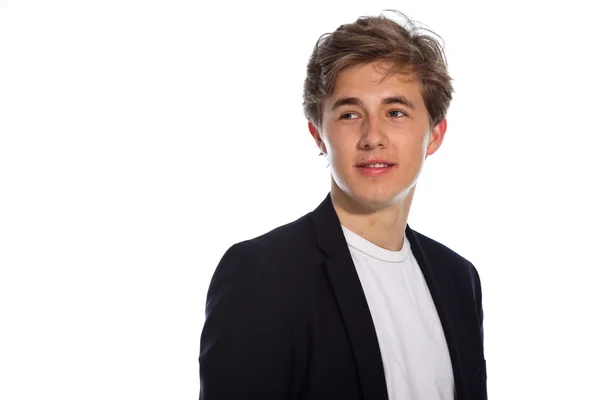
x,y
375,165
375,169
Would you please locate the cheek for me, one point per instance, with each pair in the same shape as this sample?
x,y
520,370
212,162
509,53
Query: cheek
x,y
415,147
336,147
341,155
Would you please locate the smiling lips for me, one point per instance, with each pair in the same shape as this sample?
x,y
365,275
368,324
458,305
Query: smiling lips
x,y
375,167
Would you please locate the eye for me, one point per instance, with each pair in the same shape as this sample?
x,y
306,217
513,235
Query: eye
x,y
396,113
349,116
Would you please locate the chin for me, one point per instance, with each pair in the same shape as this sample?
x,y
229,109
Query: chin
x,y
373,200
369,196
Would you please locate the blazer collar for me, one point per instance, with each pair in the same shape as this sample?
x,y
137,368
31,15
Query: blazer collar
x,y
442,286
354,308
351,300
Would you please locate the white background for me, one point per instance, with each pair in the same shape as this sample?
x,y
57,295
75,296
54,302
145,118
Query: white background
x,y
140,139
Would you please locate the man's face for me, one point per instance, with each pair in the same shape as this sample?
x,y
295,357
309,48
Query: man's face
x,y
369,119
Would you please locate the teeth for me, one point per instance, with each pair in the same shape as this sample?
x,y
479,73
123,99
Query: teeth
x,y
376,165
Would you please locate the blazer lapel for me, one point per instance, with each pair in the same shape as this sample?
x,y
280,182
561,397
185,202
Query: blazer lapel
x,y
443,291
351,301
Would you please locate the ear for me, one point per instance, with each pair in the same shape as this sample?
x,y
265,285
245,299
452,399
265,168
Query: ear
x,y
314,132
436,137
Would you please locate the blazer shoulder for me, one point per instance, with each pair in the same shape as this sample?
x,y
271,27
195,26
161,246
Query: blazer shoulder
x,y
440,253
285,240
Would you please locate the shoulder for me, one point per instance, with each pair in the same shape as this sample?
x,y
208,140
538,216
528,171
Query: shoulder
x,y
437,253
262,270
268,252
284,241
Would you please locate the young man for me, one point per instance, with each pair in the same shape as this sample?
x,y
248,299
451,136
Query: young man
x,y
348,302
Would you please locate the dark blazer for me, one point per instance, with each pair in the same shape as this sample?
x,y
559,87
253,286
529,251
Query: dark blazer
x,y
286,317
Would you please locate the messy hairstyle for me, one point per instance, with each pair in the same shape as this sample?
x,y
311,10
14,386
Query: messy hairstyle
x,y
409,48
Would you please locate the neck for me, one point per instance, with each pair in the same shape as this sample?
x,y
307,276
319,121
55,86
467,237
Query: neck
x,y
383,226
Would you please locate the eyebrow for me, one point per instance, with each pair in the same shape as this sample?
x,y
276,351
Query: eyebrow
x,y
354,101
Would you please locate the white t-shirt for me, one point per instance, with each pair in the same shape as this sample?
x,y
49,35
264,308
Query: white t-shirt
x,y
411,339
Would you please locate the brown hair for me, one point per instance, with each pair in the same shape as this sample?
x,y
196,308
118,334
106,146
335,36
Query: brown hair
x,y
369,39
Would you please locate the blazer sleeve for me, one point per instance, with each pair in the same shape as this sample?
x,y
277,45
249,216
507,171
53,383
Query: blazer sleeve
x,y
245,345
478,299
479,305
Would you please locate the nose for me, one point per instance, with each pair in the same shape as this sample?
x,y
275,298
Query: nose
x,y
372,135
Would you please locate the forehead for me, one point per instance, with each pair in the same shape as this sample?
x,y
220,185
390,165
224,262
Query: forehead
x,y
376,78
